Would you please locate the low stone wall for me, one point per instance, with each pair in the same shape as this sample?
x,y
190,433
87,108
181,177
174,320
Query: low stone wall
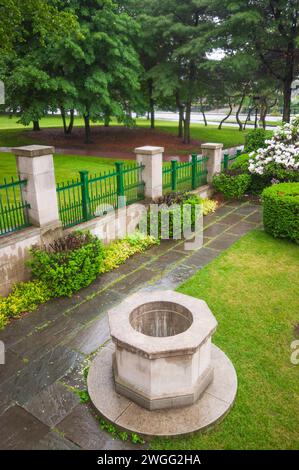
x,y
13,254
114,225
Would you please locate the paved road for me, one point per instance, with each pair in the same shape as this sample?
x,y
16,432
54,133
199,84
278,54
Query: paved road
x,y
212,118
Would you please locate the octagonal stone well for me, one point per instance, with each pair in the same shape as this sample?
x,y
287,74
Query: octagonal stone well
x,y
162,349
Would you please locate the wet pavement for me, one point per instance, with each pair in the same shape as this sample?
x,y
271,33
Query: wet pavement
x,y
47,350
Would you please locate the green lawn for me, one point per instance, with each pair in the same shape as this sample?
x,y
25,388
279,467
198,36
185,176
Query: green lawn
x,y
229,136
67,167
11,133
253,290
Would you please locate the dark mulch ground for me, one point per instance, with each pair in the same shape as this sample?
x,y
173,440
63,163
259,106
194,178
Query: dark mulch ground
x,y
115,142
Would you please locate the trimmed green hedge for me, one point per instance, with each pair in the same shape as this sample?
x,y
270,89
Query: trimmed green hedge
x,y
281,210
232,186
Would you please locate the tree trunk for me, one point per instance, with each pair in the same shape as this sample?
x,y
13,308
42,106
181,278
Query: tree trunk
x,y
71,124
187,124
263,113
87,128
106,121
67,128
152,114
287,96
289,76
228,115
36,126
256,118
181,115
203,113
238,112
181,122
192,76
151,103
248,118
62,112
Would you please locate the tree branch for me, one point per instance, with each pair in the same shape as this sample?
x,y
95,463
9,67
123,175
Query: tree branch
x,y
275,74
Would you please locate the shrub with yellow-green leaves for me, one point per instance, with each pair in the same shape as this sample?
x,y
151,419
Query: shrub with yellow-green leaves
x,y
119,251
24,297
209,206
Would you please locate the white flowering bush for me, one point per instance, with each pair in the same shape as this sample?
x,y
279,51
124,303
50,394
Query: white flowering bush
x,y
280,157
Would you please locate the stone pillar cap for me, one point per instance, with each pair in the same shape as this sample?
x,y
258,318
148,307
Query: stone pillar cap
x,y
149,150
33,151
210,145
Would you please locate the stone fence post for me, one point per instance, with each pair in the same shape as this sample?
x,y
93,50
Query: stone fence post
x,y
214,154
152,159
35,164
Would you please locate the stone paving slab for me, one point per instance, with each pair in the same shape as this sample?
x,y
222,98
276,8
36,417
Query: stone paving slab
x,y
82,428
52,404
164,247
96,306
231,219
216,229
224,210
38,374
242,228
246,209
256,217
74,378
13,364
6,402
166,260
19,430
53,441
134,281
46,337
202,257
224,241
50,347
92,336
175,277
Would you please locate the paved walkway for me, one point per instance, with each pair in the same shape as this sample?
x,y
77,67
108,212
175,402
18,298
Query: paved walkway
x,y
47,350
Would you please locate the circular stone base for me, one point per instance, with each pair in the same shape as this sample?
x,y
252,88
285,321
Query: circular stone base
x,y
213,405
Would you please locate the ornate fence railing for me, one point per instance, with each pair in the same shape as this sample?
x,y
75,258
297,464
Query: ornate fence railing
x,y
185,176
13,208
228,159
92,195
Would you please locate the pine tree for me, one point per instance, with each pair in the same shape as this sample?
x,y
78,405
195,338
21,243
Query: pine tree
x,y
268,30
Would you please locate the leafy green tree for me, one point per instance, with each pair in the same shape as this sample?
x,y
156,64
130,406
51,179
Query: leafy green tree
x,y
93,68
268,30
23,61
101,64
22,19
181,33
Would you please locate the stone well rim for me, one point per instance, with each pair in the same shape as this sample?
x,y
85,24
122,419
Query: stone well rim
x,y
125,336
155,309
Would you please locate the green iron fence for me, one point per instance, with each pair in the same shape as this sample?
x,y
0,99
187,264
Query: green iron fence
x,y
13,209
92,195
228,159
185,176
